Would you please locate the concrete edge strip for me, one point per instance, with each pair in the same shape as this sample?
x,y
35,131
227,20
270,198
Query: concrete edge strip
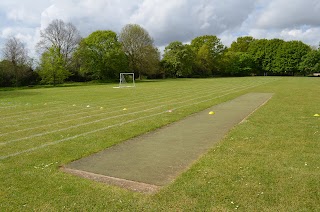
x,y
127,184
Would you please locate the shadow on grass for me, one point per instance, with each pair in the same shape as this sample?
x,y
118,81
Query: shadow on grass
x,y
13,93
151,80
65,85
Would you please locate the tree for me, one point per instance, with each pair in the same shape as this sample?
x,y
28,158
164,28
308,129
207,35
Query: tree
x,y
15,51
178,59
242,44
149,64
101,56
208,50
237,63
17,62
276,56
52,67
289,56
204,62
310,62
272,47
137,44
257,50
6,73
63,37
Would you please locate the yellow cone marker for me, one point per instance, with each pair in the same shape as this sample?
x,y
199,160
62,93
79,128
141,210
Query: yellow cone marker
x,y
316,115
211,113
124,109
88,105
101,108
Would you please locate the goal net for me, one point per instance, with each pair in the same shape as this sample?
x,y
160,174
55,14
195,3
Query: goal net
x,y
126,80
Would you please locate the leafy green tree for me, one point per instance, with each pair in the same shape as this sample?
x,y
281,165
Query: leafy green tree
x,y
289,56
144,57
6,73
236,60
100,56
242,44
277,56
257,50
310,62
178,59
204,61
237,63
272,48
52,67
246,63
208,50
149,62
65,38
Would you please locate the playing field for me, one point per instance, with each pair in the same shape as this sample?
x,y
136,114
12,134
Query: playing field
x,y
269,162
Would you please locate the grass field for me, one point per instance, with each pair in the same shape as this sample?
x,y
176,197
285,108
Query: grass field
x,y
270,162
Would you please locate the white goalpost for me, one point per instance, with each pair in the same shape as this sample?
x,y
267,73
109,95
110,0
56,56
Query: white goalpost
x,y
126,80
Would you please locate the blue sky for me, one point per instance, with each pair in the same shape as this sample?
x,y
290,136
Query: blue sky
x,y
166,20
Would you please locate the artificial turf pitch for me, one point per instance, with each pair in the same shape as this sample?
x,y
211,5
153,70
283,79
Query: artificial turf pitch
x,y
148,162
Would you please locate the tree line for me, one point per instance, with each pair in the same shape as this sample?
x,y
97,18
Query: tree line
x,y
66,56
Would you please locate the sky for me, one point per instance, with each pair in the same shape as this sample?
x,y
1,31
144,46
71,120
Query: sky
x,y
166,20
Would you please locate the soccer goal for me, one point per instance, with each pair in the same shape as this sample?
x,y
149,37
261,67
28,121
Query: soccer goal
x,y
126,80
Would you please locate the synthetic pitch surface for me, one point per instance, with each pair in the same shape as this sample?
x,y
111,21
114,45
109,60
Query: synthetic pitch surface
x,y
147,162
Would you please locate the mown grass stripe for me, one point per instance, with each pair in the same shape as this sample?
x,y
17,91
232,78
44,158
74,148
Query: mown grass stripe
x,y
105,113
119,124
86,112
103,119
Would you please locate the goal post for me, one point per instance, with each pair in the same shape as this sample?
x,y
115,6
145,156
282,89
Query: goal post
x,y
126,80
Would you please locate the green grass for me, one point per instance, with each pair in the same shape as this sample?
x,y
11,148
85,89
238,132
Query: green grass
x,y
270,162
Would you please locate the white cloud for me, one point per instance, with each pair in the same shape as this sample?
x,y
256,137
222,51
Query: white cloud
x,y
287,14
227,38
7,32
284,19
88,16
309,36
167,20
27,36
50,14
27,12
185,19
16,14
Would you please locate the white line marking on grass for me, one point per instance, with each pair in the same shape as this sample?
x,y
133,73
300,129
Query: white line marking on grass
x,y
36,113
115,125
17,114
90,116
41,134
86,110
73,114
33,111
99,120
33,122
76,136
116,100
